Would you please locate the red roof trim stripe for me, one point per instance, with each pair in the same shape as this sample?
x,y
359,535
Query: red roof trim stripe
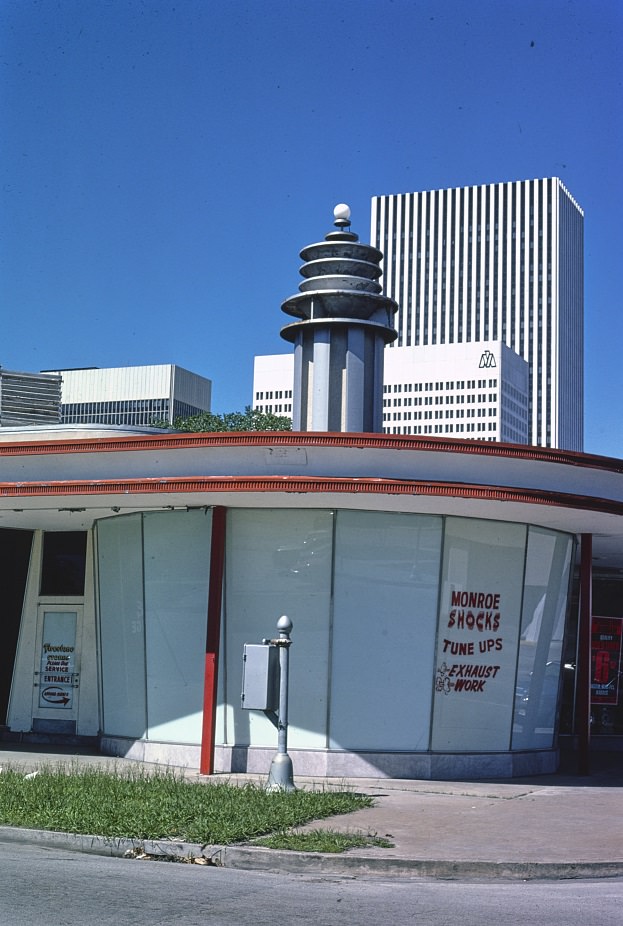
x,y
298,484
169,441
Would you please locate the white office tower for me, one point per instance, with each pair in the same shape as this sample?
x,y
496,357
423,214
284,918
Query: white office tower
x,y
470,391
457,390
344,323
503,262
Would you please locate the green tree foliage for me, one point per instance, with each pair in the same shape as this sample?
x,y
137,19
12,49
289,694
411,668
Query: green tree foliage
x,y
251,419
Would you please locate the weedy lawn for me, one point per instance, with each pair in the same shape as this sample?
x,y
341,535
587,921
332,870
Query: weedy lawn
x,y
161,804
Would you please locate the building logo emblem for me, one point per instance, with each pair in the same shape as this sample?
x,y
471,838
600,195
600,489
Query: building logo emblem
x,y
487,360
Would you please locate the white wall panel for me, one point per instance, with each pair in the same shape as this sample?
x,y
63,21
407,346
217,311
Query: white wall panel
x,y
279,562
542,630
177,569
479,619
120,557
384,621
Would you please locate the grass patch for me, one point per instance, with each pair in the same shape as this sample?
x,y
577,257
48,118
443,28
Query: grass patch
x,y
319,840
159,804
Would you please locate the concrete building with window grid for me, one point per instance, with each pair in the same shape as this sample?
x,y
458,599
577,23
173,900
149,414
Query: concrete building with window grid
x,y
464,390
135,396
502,261
29,398
273,376
459,389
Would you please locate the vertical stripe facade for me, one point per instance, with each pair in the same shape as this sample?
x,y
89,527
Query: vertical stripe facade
x,y
499,261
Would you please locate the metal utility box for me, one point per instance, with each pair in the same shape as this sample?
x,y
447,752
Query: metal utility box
x,y
260,677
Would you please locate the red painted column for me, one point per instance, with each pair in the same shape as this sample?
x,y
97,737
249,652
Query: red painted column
x,y
583,682
213,637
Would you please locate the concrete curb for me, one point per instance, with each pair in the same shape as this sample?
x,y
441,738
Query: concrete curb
x,y
353,866
256,858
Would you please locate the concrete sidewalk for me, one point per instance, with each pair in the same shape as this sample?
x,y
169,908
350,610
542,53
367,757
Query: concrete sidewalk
x,y
555,826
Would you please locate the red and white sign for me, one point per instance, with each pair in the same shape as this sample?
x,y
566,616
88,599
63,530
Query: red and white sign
x,y
606,636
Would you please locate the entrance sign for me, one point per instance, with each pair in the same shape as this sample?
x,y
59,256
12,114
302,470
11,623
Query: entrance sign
x,y
606,636
57,676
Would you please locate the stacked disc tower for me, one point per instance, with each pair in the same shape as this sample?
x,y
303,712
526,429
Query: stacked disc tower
x,y
343,324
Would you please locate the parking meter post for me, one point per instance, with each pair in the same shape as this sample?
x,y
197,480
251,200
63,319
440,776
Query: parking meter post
x,y
281,777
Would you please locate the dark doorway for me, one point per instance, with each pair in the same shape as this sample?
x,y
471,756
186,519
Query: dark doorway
x,y
64,562
14,561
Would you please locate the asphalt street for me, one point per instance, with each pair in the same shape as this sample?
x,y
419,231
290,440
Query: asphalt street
x,y
60,888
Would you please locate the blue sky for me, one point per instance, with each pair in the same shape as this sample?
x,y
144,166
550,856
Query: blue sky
x,y
162,163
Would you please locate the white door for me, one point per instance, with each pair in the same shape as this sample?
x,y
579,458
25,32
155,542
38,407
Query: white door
x,y
57,667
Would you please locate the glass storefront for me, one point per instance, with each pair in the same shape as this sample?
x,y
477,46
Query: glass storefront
x,y
412,633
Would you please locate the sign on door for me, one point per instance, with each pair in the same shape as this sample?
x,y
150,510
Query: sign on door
x,y
58,679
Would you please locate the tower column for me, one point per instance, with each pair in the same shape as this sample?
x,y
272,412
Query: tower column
x,y
321,381
343,323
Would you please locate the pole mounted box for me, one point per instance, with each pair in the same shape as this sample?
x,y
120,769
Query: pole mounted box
x,y
260,677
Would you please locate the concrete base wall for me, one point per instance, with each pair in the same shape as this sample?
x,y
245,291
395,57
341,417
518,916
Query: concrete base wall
x,y
428,766
184,756
336,764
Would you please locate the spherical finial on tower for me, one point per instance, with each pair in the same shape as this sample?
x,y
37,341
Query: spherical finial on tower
x,y
341,216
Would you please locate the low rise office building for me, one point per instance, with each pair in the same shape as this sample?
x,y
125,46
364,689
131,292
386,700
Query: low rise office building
x,y
135,395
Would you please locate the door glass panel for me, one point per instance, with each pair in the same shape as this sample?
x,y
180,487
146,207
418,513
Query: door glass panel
x,y
58,672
